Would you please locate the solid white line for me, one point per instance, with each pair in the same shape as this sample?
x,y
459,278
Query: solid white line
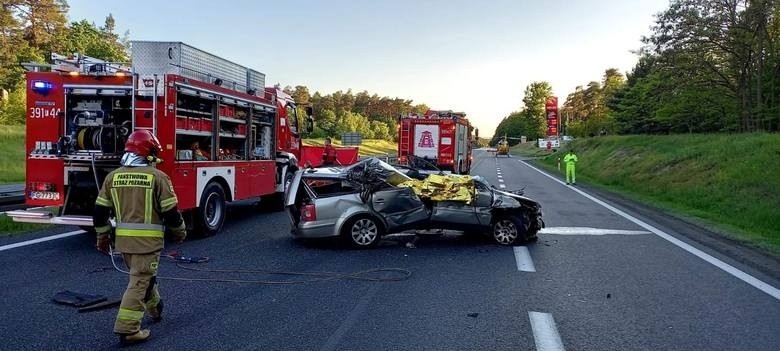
x,y
545,332
40,240
589,231
502,186
523,259
747,278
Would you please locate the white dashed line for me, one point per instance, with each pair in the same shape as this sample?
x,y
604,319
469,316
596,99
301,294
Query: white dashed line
x,y
40,240
545,332
502,186
500,180
747,278
523,259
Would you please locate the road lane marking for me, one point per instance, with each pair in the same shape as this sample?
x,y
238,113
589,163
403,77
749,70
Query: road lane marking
x,y
502,186
40,240
546,334
523,259
747,278
500,180
589,231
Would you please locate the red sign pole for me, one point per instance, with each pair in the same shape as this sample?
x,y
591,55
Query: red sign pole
x,y
551,111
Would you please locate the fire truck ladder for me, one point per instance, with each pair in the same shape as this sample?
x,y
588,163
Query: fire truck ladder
x,y
405,138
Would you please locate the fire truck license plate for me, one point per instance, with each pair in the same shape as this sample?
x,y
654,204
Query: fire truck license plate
x,y
44,195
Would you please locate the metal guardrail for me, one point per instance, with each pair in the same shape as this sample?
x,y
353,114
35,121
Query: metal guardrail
x,y
11,193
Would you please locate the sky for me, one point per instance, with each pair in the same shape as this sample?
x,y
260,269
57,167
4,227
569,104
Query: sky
x,y
470,56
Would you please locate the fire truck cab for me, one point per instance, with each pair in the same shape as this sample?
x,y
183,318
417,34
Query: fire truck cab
x,y
225,136
443,138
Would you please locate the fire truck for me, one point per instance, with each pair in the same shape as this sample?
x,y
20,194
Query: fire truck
x,y
225,136
441,138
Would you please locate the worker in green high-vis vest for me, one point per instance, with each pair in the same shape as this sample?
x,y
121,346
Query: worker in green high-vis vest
x,y
571,160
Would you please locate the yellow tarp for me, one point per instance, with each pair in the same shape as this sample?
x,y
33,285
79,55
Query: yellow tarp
x,y
443,187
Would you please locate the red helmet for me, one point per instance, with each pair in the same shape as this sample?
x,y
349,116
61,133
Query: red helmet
x,y
143,143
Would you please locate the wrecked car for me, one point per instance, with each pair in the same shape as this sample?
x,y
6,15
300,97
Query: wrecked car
x,y
365,201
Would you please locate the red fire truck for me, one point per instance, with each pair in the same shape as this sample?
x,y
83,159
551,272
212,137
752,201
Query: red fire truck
x,y
225,136
443,138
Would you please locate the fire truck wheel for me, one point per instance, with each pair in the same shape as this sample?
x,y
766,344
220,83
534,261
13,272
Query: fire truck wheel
x,y
211,212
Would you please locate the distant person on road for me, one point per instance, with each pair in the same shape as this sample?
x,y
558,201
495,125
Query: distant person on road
x,y
571,160
329,154
144,204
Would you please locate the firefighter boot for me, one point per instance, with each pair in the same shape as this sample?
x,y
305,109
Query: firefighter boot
x,y
135,338
156,312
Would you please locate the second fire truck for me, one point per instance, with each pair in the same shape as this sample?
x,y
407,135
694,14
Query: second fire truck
x,y
225,136
439,138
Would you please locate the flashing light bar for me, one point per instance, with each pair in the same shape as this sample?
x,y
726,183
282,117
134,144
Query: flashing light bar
x,y
41,87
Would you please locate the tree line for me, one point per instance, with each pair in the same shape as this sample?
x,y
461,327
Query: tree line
x,y
706,66
372,116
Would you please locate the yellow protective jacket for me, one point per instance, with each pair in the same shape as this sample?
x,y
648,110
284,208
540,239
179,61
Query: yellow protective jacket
x,y
138,197
570,159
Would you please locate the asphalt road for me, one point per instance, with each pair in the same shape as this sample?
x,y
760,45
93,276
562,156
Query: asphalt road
x,y
632,290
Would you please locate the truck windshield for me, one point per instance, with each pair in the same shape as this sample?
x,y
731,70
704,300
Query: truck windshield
x,y
292,117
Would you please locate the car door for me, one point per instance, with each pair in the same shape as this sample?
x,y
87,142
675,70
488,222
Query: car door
x,y
454,215
401,208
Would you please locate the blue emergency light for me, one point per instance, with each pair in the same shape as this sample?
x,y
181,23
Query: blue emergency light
x,y
41,86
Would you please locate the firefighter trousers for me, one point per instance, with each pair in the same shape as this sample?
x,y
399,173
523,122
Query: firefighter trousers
x,y
141,294
570,176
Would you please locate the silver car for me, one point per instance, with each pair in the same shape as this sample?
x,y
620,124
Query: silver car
x,y
359,204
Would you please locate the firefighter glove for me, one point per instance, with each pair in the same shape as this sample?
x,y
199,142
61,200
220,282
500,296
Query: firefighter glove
x,y
103,243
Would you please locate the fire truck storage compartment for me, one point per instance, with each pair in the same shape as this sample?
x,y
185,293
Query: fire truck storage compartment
x,y
97,120
150,57
261,134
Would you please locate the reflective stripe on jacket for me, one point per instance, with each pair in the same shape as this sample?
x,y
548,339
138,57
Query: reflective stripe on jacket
x,y
138,196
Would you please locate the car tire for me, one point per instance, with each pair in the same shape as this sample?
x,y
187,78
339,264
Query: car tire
x,y
509,231
210,214
363,232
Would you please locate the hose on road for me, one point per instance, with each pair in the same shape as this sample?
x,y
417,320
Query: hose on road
x,y
370,275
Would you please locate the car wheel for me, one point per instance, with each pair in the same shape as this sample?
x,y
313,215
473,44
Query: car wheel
x,y
363,232
509,230
212,210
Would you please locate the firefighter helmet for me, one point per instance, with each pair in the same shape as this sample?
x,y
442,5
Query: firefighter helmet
x,y
143,143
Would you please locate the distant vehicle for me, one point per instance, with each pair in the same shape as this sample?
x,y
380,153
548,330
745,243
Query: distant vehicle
x,y
503,148
442,137
333,202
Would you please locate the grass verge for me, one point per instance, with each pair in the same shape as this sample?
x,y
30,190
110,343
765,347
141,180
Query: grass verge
x,y
368,147
12,156
728,182
9,228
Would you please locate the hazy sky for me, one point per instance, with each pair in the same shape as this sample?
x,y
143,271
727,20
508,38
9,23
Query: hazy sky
x,y
472,56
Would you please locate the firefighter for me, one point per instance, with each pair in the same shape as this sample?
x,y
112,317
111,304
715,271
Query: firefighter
x,y
329,154
571,160
143,202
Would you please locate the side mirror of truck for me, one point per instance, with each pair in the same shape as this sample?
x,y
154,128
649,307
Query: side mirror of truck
x,y
309,124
